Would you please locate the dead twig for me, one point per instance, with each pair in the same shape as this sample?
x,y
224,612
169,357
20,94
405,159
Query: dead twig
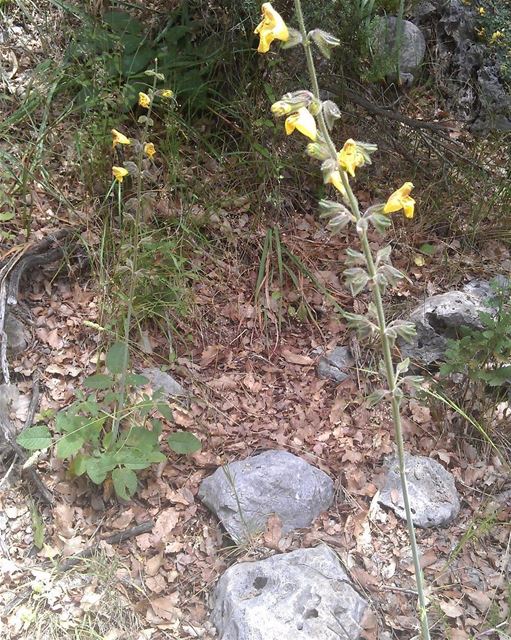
x,y
115,538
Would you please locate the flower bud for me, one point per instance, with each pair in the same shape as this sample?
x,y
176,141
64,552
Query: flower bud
x,y
294,38
324,41
291,102
331,112
317,150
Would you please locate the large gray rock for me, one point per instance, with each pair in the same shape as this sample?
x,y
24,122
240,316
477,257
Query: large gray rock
x,y
244,494
434,500
439,318
411,47
335,365
303,594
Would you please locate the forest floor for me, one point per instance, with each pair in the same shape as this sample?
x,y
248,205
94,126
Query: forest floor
x,y
249,365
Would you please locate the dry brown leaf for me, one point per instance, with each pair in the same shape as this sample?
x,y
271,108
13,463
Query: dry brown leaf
x,y
273,532
152,566
165,606
481,600
164,525
210,354
64,516
451,609
296,358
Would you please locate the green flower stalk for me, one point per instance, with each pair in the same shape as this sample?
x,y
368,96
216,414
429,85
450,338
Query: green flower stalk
x,y
364,267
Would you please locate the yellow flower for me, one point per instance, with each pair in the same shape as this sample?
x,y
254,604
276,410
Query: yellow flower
x,y
271,28
498,35
304,121
167,93
144,100
401,199
149,149
119,173
119,138
482,11
350,157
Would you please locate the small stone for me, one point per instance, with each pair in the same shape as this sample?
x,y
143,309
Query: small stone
x,y
434,500
161,380
302,594
16,334
335,365
244,494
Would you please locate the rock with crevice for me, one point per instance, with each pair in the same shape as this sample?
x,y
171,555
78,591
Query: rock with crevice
x,y
440,317
434,500
301,594
244,494
336,364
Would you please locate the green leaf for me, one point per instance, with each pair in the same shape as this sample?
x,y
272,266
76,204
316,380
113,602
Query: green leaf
x,y
376,396
183,442
428,249
35,438
122,22
37,526
98,381
125,482
136,380
8,215
69,444
138,60
98,468
117,357
79,465
165,410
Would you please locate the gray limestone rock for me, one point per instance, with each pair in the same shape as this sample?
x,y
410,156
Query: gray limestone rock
x,y
433,496
302,594
412,46
438,319
335,365
161,380
244,494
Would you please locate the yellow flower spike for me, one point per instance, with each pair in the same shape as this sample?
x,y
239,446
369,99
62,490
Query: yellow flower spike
x,y
350,157
304,121
167,93
401,199
272,27
119,173
149,149
144,100
119,138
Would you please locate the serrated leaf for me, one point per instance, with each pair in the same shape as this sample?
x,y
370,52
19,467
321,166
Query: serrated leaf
x,y
402,367
98,468
125,482
68,445
98,381
376,396
183,442
165,410
136,380
117,357
35,438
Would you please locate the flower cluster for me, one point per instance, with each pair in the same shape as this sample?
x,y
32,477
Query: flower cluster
x,y
302,109
145,101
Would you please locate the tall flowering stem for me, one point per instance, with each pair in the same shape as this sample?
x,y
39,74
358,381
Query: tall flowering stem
x,y
394,390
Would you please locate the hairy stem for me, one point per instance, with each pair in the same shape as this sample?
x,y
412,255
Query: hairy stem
x,y
385,342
